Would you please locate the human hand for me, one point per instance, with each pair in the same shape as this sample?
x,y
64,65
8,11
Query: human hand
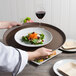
x,y
7,24
41,52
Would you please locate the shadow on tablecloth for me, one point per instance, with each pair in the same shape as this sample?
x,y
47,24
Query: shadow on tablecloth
x,y
52,72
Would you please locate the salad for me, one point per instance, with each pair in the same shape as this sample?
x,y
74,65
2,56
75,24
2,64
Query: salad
x,y
33,38
43,59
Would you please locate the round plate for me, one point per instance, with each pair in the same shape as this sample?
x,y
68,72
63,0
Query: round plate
x,y
24,32
60,63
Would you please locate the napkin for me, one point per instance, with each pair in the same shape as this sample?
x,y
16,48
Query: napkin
x,y
69,44
68,68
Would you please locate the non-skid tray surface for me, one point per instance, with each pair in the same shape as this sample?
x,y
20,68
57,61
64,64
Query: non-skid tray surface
x,y
58,36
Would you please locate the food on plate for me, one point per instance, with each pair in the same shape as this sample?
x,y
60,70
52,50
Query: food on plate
x,y
43,59
39,60
53,53
33,38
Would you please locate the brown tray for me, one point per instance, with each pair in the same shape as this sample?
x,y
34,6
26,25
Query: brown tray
x,y
58,36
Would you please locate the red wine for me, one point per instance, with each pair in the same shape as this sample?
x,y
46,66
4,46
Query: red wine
x,y
40,14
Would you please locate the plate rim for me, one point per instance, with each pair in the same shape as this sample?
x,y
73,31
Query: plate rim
x,y
34,45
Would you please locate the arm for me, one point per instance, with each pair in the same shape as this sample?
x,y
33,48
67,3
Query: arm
x,y
9,57
7,24
41,52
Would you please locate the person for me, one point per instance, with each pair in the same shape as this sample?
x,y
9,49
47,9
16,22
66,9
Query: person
x,y
14,60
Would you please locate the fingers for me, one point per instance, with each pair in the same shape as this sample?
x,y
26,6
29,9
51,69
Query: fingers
x,y
49,50
19,24
49,53
15,23
9,27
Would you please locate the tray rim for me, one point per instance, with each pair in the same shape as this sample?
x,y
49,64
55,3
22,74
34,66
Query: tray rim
x,y
24,24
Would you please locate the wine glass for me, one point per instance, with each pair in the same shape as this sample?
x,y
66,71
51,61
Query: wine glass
x,y
40,13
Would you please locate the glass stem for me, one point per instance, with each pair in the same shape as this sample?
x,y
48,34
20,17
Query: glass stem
x,y
40,23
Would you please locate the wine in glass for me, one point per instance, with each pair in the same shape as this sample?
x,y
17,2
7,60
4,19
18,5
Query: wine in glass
x,y
40,14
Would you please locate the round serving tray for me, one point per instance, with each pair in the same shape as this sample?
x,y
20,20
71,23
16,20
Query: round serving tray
x,y
57,41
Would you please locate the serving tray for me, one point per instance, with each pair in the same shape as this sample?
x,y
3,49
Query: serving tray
x,y
57,41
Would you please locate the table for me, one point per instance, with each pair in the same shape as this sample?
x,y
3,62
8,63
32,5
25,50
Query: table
x,y
44,69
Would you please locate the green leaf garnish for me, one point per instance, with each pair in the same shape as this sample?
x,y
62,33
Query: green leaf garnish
x,y
25,20
28,18
34,41
41,36
24,38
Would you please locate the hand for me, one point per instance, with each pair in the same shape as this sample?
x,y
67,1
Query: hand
x,y
41,52
7,25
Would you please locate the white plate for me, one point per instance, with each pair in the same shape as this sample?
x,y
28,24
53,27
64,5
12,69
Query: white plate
x,y
57,53
47,39
71,50
60,63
